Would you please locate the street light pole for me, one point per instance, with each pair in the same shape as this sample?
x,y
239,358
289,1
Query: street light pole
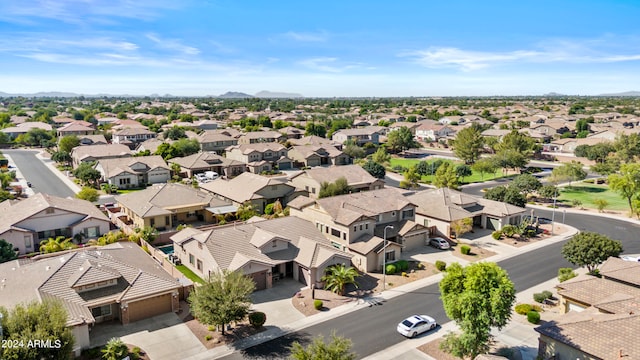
x,y
384,257
553,213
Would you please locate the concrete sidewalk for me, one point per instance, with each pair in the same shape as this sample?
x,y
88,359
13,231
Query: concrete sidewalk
x,y
515,334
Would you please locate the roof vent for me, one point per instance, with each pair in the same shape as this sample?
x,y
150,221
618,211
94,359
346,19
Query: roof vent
x,y
48,268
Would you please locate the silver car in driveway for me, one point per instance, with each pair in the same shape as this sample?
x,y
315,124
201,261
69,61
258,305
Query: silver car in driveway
x,y
439,243
416,325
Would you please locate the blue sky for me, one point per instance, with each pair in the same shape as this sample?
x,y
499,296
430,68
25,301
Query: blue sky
x,y
320,48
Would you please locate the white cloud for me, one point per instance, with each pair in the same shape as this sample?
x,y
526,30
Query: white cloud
x,y
306,36
173,44
327,64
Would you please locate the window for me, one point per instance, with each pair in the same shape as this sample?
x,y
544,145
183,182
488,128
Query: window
x,y
306,187
191,259
390,255
27,241
407,214
335,232
355,228
101,311
152,222
336,245
326,229
360,227
366,226
125,181
91,232
167,220
274,243
313,190
393,213
49,211
199,265
344,236
425,222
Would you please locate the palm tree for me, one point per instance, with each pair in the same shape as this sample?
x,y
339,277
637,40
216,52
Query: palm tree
x,y
60,243
246,211
338,277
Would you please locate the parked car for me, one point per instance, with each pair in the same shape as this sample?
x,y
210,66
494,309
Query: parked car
x,y
439,243
416,325
540,220
630,258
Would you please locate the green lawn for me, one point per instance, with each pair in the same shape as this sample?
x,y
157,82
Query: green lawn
x,y
189,274
474,178
587,193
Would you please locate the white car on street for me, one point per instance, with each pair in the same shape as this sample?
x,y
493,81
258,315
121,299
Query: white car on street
x,y
416,324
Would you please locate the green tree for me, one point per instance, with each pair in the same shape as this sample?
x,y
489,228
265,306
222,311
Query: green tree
x,y
601,204
6,251
508,194
338,348
381,156
246,211
223,298
468,144
45,321
376,170
89,194
517,142
626,183
400,140
548,191
337,277
462,226
61,157
87,173
313,129
509,160
339,187
116,349
463,170
526,183
354,151
174,133
411,178
446,177
477,297
590,249
35,137
483,166
59,243
68,142
627,147
572,171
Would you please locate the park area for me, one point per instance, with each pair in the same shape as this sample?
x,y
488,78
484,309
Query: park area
x,y
432,166
588,194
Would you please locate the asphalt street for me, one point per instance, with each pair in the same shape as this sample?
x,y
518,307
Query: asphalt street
x,y
373,329
40,176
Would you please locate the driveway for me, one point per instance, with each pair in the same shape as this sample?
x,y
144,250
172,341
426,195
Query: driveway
x,y
276,302
161,337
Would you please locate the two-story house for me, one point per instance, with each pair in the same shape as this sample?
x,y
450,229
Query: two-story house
x,y
132,136
261,157
357,178
209,161
316,141
430,130
255,137
254,189
291,132
76,128
360,136
265,250
25,223
89,153
360,223
216,141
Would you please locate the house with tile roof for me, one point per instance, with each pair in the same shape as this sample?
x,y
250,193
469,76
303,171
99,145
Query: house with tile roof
x,y
361,136
261,157
90,153
440,207
165,206
357,178
358,222
254,189
216,141
265,250
208,161
117,282
314,155
25,223
431,130
76,128
291,132
254,137
92,139
602,315
132,136
134,172
315,140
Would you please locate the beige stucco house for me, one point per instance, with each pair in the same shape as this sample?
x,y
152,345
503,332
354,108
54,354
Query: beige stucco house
x,y
261,157
265,250
314,155
134,172
358,222
25,223
89,153
358,178
209,161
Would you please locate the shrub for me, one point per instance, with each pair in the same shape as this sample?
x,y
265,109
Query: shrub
x,y
135,353
441,265
390,269
565,274
207,337
211,328
523,309
533,317
420,266
402,265
146,249
465,249
537,308
317,304
257,319
548,294
404,274
268,210
530,233
539,297
509,230
496,234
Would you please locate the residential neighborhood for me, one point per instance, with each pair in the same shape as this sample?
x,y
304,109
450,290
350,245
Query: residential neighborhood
x,y
162,207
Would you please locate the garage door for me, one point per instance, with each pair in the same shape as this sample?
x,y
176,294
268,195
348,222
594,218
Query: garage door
x,y
260,278
149,307
301,277
493,224
414,242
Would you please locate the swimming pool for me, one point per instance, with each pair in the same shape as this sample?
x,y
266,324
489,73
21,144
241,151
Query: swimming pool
x,y
167,249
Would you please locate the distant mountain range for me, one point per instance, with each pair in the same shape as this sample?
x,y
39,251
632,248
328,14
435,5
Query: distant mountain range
x,y
227,95
626,93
